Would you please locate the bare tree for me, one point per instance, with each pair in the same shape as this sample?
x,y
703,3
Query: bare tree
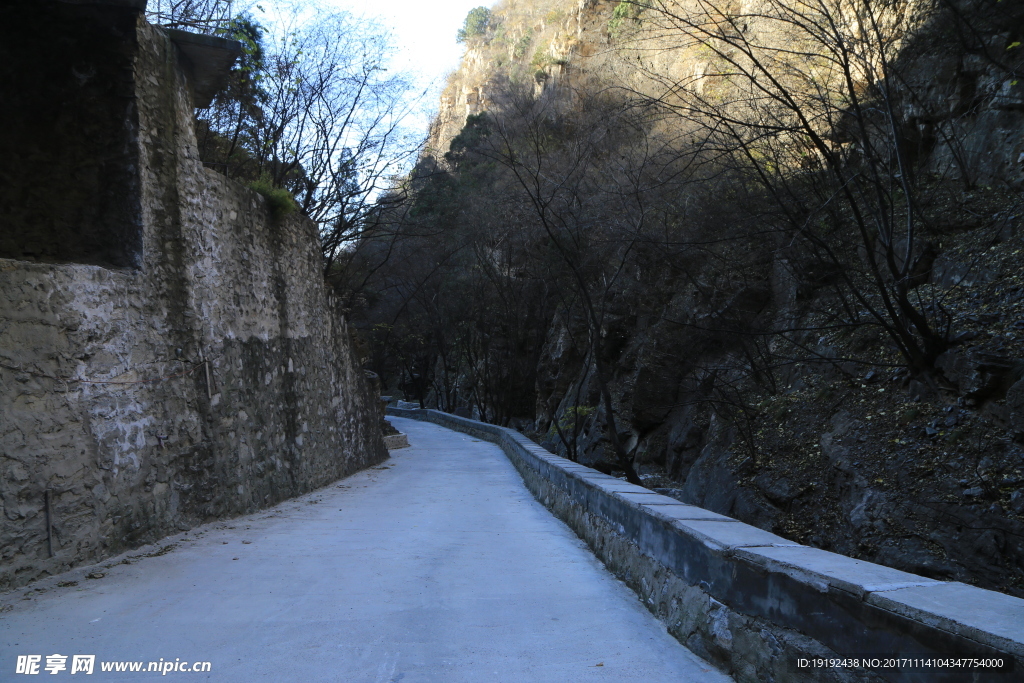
x,y
314,109
806,98
203,16
554,156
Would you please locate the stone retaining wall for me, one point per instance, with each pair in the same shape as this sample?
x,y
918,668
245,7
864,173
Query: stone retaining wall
x,y
208,375
755,603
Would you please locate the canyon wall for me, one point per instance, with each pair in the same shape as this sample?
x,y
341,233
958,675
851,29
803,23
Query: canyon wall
x,y
725,384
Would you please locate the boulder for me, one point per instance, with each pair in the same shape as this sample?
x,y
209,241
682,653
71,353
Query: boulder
x,y
977,373
1015,408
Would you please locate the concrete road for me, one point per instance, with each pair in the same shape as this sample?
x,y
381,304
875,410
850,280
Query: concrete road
x,y
438,566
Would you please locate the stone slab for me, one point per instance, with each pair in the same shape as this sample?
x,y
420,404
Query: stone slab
x,y
609,487
822,569
726,535
594,475
681,511
984,616
646,498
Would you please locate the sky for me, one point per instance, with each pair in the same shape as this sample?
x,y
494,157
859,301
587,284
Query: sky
x,y
424,35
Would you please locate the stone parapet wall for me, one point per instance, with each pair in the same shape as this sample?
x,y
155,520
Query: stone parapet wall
x,y
753,602
212,379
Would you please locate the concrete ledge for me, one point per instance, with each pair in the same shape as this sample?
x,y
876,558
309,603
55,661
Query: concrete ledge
x,y
752,601
208,62
396,441
139,5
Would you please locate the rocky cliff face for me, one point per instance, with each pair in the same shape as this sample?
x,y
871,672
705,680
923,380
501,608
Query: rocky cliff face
x,y
532,41
966,75
207,377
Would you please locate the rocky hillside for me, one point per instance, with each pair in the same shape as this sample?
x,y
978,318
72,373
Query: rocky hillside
x,y
785,288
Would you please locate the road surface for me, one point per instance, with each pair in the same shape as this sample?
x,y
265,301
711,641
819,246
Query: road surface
x,y
438,566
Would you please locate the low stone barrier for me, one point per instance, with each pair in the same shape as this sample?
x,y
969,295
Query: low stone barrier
x,y
762,607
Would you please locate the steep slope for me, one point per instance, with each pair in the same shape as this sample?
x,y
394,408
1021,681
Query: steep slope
x,y
854,388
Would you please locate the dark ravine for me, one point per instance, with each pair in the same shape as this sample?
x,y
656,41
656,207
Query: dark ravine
x,y
825,436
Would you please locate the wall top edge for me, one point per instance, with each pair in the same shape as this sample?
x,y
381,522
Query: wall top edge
x,y
139,5
210,58
988,617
